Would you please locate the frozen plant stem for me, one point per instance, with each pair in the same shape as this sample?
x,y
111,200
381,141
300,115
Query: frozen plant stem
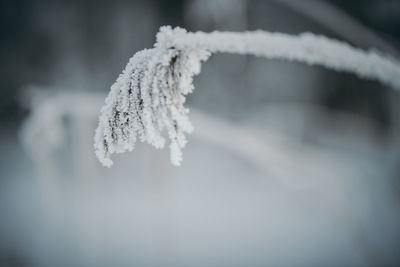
x,y
148,96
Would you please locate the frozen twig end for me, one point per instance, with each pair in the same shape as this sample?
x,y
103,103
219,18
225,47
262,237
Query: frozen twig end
x,y
147,99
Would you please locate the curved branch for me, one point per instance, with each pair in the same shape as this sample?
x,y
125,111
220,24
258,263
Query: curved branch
x,y
306,47
148,96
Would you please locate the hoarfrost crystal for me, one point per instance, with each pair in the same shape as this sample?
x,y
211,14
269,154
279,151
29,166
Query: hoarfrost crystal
x,y
148,97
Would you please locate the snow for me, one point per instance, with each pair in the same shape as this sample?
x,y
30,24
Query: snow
x,y
148,97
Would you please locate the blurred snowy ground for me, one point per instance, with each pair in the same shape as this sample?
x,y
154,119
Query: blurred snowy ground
x,y
289,165
247,194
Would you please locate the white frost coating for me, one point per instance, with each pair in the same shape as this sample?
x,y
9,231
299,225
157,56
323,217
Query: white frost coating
x,y
148,96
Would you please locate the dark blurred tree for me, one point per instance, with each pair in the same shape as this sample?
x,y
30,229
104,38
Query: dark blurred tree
x,y
25,54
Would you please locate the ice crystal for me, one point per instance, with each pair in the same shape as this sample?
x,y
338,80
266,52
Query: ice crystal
x,y
148,97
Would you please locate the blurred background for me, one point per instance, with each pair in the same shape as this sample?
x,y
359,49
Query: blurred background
x,y
289,165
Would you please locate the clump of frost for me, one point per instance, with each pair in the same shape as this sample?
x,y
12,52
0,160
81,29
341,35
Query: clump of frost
x,y
147,100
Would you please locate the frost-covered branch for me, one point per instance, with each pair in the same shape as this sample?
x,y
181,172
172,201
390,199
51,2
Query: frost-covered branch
x,y
147,98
